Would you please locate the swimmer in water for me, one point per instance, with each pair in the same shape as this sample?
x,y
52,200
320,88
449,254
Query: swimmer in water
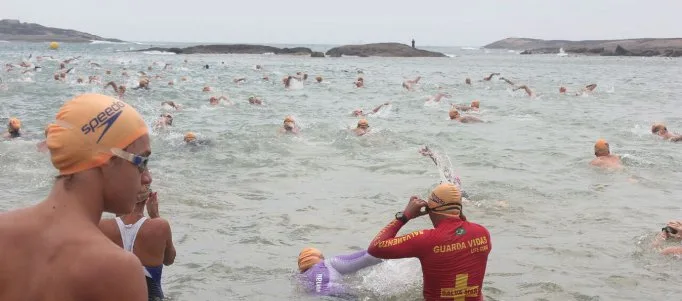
x,y
409,84
165,120
604,158
438,97
58,250
206,89
662,131
490,76
255,100
240,80
454,115
475,106
149,238
360,83
359,113
120,90
467,81
324,277
142,84
318,79
671,232
13,129
216,100
362,128
586,90
525,88
507,81
171,104
289,126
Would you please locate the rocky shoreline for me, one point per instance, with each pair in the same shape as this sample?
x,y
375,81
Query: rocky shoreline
x,y
14,30
631,47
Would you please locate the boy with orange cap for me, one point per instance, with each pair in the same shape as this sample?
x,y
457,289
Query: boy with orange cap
x,y
604,158
100,146
662,131
13,129
362,128
322,276
454,115
453,255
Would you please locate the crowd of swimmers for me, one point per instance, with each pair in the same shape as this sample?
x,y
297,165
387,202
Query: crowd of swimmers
x,y
59,244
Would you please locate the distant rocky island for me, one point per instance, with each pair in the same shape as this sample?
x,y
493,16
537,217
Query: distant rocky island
x,y
382,50
629,47
233,49
14,30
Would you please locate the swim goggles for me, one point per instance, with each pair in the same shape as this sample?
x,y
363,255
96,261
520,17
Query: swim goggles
x,y
137,160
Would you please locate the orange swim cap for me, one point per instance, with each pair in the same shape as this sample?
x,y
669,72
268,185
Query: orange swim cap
x,y
453,114
189,137
308,258
363,123
446,198
86,129
601,148
14,124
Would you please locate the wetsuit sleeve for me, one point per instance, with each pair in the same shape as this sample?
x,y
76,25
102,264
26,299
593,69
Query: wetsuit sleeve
x,y
351,263
385,245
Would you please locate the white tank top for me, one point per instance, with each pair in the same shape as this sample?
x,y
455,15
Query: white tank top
x,y
129,232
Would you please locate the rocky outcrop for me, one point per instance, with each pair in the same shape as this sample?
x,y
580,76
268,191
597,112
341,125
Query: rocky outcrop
x,y
14,30
631,47
234,49
317,54
382,50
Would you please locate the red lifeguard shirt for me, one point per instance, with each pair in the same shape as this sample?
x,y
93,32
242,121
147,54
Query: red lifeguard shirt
x,y
453,256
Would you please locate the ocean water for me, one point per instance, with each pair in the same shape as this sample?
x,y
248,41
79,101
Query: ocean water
x,y
242,208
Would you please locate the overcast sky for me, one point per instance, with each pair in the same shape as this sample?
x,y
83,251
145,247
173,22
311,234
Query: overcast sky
x,y
430,22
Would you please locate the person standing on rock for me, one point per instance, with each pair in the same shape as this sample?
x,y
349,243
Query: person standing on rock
x,y
413,43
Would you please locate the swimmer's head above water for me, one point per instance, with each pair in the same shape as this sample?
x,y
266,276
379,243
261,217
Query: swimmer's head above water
x,y
14,125
363,124
659,129
308,258
454,114
318,79
476,104
289,123
601,148
190,137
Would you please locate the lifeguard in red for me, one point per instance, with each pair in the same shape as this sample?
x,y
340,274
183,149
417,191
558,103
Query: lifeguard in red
x,y
453,255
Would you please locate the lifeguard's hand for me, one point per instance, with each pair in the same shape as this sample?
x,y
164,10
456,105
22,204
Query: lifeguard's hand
x,y
153,205
414,206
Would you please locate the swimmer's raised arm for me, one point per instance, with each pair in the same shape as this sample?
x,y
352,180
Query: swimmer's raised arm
x,y
112,84
508,81
525,88
490,76
380,106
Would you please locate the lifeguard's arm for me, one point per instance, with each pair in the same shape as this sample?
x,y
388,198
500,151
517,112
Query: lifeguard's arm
x,y
351,263
386,246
